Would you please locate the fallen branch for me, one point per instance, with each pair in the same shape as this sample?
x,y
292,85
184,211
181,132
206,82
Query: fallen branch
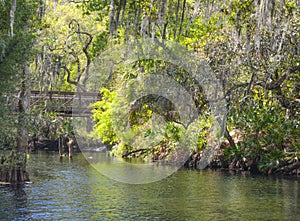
x,y
288,168
142,150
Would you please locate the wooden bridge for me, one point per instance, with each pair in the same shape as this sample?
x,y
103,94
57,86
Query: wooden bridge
x,y
66,104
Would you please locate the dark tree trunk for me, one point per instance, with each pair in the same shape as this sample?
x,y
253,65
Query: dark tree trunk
x,y
15,174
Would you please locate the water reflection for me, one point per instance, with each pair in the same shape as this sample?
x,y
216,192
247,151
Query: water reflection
x,y
129,172
75,191
13,197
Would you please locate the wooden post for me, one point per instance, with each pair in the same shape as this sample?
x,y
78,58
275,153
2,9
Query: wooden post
x,y
69,143
60,146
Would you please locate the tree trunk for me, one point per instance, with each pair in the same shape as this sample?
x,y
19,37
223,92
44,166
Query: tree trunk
x,y
16,171
182,18
229,138
60,146
112,22
24,106
12,16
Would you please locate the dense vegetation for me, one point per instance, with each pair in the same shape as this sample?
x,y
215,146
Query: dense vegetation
x,y
252,46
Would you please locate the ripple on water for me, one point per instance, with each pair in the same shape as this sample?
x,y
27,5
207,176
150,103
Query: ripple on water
x,y
75,191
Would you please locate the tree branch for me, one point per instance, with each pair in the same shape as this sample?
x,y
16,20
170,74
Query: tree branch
x,y
69,76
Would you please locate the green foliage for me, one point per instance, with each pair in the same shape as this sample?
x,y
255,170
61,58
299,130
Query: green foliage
x,y
168,136
15,50
102,115
269,133
67,43
48,125
11,159
16,43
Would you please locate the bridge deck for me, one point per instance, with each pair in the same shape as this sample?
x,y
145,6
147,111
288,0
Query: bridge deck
x,y
65,103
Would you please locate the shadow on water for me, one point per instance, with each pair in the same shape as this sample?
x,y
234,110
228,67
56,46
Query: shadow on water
x,y
73,190
12,197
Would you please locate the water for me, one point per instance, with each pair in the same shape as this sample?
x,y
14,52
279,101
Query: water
x,y
75,191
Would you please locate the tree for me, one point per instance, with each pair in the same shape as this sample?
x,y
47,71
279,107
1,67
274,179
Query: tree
x,y
18,26
64,49
160,21
252,46
258,61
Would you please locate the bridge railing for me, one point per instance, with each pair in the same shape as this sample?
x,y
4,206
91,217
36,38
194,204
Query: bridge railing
x,y
65,103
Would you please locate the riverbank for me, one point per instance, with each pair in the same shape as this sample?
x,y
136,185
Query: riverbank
x,y
221,161
226,159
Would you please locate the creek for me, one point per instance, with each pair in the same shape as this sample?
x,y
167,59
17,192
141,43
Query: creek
x,y
74,190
